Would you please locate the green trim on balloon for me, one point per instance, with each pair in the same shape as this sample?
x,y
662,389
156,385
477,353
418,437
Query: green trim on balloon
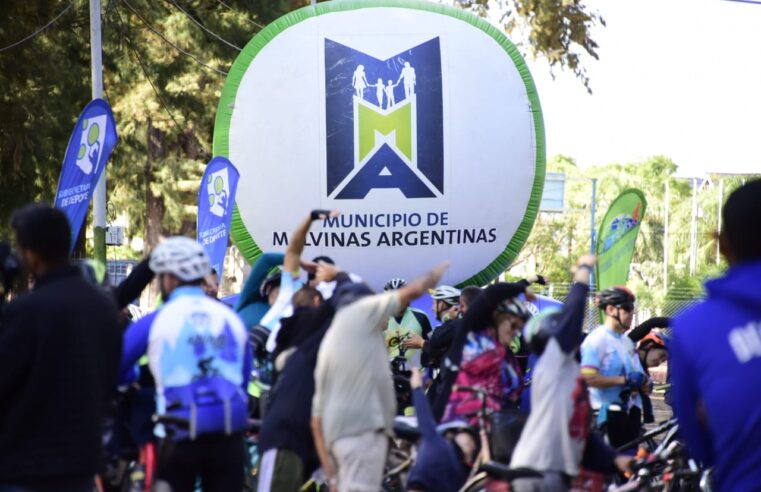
x,y
240,235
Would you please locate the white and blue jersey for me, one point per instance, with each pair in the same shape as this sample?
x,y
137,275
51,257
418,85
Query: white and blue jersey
x,y
199,355
610,354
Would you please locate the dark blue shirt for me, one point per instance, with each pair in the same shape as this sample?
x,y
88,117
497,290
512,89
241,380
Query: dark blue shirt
x,y
437,468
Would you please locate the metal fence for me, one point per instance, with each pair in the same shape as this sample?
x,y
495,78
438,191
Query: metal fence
x,y
118,270
671,307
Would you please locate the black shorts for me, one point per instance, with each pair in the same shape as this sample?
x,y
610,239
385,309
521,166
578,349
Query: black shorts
x,y
216,459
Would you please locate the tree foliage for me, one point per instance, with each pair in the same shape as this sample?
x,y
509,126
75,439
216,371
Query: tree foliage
x,y
558,30
558,238
163,65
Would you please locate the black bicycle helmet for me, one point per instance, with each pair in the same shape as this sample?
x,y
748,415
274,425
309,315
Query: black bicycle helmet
x,y
516,308
617,296
394,284
272,281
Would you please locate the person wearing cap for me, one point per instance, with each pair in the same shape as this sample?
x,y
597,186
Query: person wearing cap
x,y
200,358
612,369
354,404
557,438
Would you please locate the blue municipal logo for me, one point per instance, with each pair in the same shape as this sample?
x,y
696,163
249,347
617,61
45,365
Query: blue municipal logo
x,y
384,122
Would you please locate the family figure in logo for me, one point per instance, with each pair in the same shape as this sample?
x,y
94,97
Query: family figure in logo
x,y
407,76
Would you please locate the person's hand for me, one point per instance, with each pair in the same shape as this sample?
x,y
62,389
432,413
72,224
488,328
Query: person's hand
x,y
416,378
583,269
326,272
320,214
451,313
530,296
308,266
623,463
413,341
587,259
432,279
635,380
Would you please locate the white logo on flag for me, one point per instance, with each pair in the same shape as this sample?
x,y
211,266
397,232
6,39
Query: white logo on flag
x,y
90,143
218,187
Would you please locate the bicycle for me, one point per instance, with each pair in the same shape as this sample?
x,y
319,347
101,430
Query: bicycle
x,y
485,470
667,467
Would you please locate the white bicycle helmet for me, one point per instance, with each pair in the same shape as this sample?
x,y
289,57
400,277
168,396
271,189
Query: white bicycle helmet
x,y
446,293
182,257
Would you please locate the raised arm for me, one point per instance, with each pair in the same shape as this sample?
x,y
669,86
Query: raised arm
x,y
292,259
478,317
421,285
250,292
571,320
133,285
647,326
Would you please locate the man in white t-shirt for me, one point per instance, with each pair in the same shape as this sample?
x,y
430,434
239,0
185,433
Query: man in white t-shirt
x,y
555,436
354,404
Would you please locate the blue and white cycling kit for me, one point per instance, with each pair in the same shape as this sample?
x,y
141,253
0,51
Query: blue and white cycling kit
x,y
199,356
610,354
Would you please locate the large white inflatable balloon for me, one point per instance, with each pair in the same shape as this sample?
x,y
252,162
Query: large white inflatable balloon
x,y
420,122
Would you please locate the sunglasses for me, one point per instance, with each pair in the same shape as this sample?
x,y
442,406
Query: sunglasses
x,y
627,307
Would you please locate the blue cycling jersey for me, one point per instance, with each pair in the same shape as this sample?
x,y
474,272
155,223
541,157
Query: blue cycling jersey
x,y
199,356
610,354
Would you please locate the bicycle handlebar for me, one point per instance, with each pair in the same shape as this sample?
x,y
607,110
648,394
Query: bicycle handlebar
x,y
664,427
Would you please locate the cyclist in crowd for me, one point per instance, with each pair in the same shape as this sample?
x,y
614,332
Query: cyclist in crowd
x,y
285,441
653,340
404,326
561,412
446,302
293,330
439,342
290,281
441,464
201,361
59,352
260,290
612,368
716,355
653,350
441,338
354,403
264,334
485,361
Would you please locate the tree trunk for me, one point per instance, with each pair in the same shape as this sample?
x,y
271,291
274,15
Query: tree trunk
x,y
154,204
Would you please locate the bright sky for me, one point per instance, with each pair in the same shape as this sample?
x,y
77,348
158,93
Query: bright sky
x,y
681,78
